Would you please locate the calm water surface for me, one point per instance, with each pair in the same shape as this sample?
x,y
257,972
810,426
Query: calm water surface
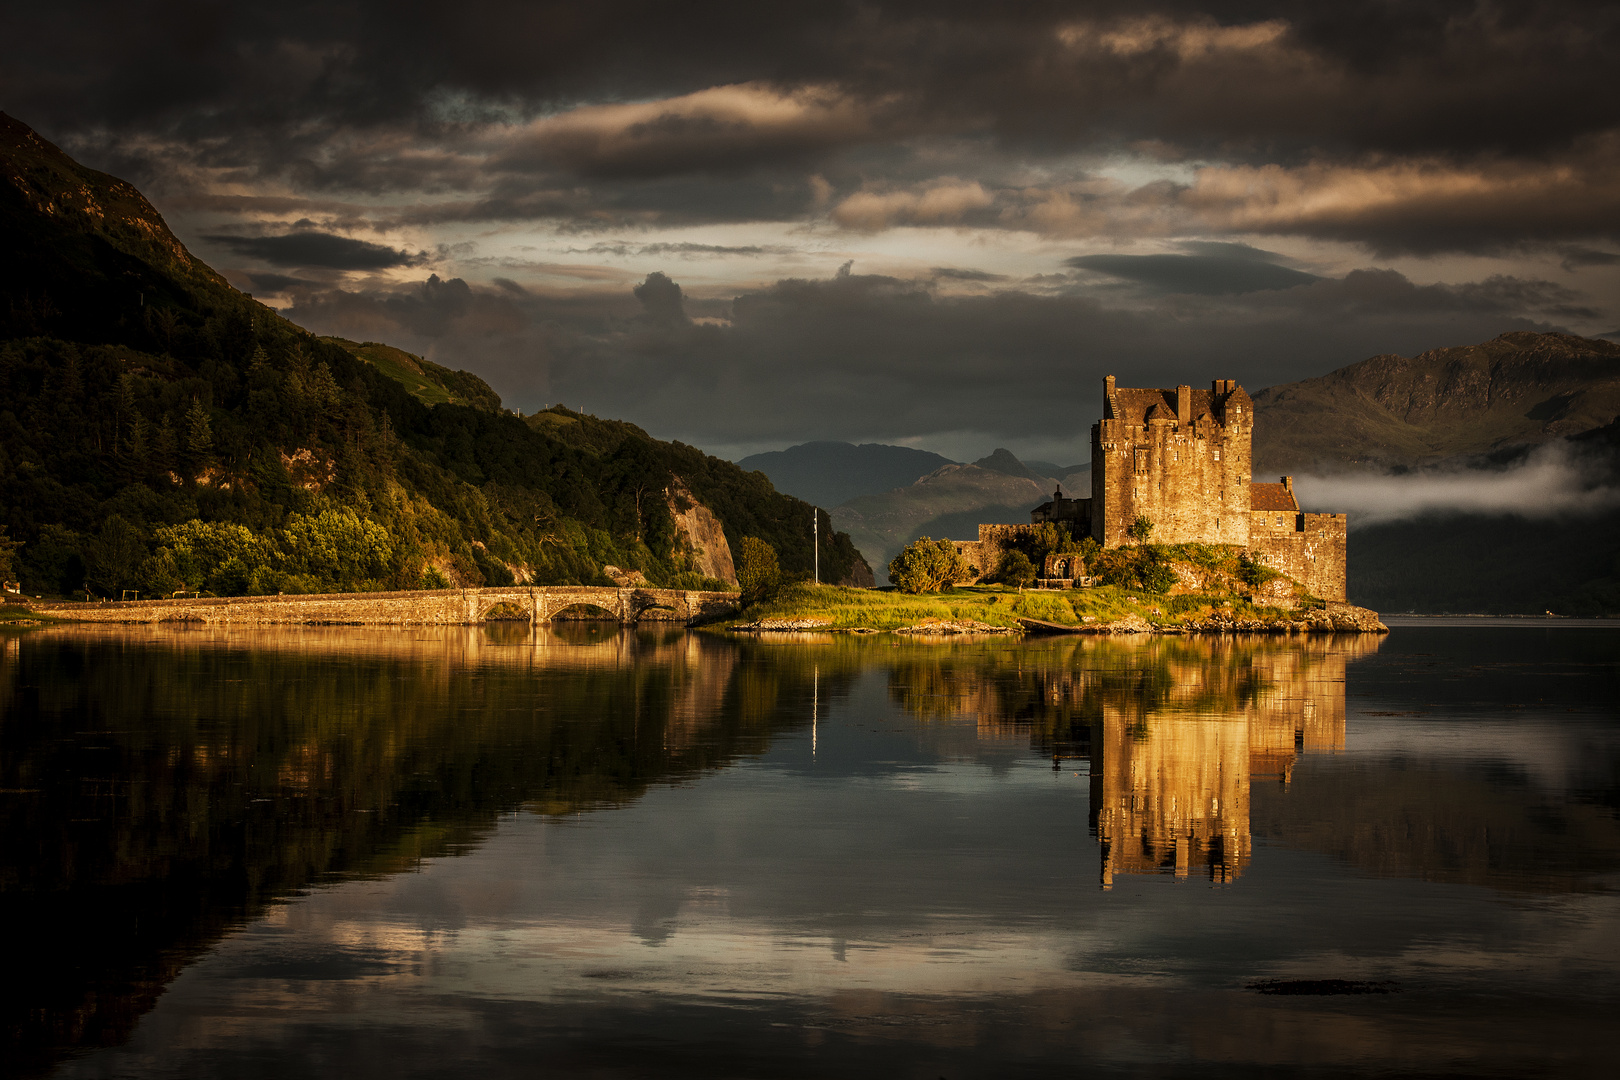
x,y
402,853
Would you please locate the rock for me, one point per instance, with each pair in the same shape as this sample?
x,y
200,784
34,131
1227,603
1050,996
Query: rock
x,y
780,624
625,579
701,533
963,626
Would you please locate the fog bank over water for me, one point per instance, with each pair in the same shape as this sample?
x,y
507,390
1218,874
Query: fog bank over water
x,y
1551,481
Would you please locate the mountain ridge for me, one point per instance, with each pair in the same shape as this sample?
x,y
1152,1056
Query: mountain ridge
x,y
1520,388
160,430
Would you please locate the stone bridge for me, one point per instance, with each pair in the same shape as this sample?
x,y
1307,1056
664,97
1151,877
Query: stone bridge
x,y
458,607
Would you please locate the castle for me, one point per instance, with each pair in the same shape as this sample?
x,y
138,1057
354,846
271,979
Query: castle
x,y
1181,460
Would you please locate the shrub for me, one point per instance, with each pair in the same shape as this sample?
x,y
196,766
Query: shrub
x,y
1016,569
1253,572
1146,567
927,566
759,573
1141,530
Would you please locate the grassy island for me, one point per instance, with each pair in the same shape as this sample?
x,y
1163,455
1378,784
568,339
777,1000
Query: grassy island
x,y
1147,588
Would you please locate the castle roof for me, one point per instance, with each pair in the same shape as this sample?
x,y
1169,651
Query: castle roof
x,y
1272,497
1132,405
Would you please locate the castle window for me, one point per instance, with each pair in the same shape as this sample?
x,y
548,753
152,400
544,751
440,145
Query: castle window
x,y
1141,461
1217,455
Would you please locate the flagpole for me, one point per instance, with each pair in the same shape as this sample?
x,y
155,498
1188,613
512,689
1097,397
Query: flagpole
x,y
815,533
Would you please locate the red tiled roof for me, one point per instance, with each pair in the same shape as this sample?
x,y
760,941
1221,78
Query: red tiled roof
x,y
1272,497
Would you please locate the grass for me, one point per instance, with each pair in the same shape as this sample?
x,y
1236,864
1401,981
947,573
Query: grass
x,y
998,605
400,366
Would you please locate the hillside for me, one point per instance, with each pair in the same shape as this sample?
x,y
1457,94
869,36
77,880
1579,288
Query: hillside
x,y
1518,389
829,473
160,430
950,502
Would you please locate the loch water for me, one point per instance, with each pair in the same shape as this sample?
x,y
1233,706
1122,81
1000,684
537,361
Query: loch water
x,y
581,851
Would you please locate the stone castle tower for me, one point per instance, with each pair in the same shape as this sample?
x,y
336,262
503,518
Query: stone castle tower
x,y
1181,459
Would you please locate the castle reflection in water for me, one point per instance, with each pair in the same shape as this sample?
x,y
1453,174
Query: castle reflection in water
x,y
1173,732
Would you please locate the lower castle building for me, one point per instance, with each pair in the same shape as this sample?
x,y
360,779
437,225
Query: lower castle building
x,y
1180,459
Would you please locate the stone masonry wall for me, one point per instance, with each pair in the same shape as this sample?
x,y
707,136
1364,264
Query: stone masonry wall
x,y
1180,458
456,607
1310,548
984,554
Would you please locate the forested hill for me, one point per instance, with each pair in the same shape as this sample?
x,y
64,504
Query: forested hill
x,y
160,430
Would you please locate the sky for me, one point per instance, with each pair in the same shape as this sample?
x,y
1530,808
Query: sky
x,y
746,225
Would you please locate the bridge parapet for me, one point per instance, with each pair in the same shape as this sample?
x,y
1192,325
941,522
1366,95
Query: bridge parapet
x,y
445,607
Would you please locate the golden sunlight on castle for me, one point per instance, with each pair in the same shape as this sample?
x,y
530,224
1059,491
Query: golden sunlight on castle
x,y
1181,460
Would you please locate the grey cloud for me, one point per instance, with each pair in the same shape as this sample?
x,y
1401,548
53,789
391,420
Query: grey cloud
x,y
1576,258
275,283
1207,274
953,273
318,249
872,358
661,300
1551,481
626,249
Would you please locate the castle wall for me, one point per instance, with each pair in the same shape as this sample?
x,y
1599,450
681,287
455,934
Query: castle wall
x,y
1310,548
1180,458
984,554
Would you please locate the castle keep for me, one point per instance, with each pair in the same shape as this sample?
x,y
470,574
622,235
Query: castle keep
x,y
1180,459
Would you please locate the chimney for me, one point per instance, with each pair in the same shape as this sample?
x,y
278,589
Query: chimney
x,y
1288,482
1108,385
1183,404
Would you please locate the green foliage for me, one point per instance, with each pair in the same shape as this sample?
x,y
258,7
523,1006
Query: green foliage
x,y
759,574
1253,572
1141,529
1016,570
8,556
113,557
1146,567
927,565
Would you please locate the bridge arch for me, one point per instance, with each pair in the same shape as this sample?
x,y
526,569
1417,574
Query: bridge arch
x,y
507,610
571,608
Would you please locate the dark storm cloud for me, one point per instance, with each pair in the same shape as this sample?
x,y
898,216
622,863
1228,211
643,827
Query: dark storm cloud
x,y
276,283
594,113
1577,257
954,273
860,356
318,249
1211,275
661,301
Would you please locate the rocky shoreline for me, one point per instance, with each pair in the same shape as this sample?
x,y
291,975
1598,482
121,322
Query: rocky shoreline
x,y
1334,619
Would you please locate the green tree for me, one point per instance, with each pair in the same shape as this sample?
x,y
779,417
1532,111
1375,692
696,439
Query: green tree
x,y
113,557
199,433
8,556
1141,529
218,556
759,574
927,565
336,548
1016,569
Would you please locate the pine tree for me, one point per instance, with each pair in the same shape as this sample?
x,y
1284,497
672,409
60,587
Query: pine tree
x,y
199,432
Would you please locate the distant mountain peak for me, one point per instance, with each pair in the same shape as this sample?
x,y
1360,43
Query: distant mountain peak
x,y
1003,460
